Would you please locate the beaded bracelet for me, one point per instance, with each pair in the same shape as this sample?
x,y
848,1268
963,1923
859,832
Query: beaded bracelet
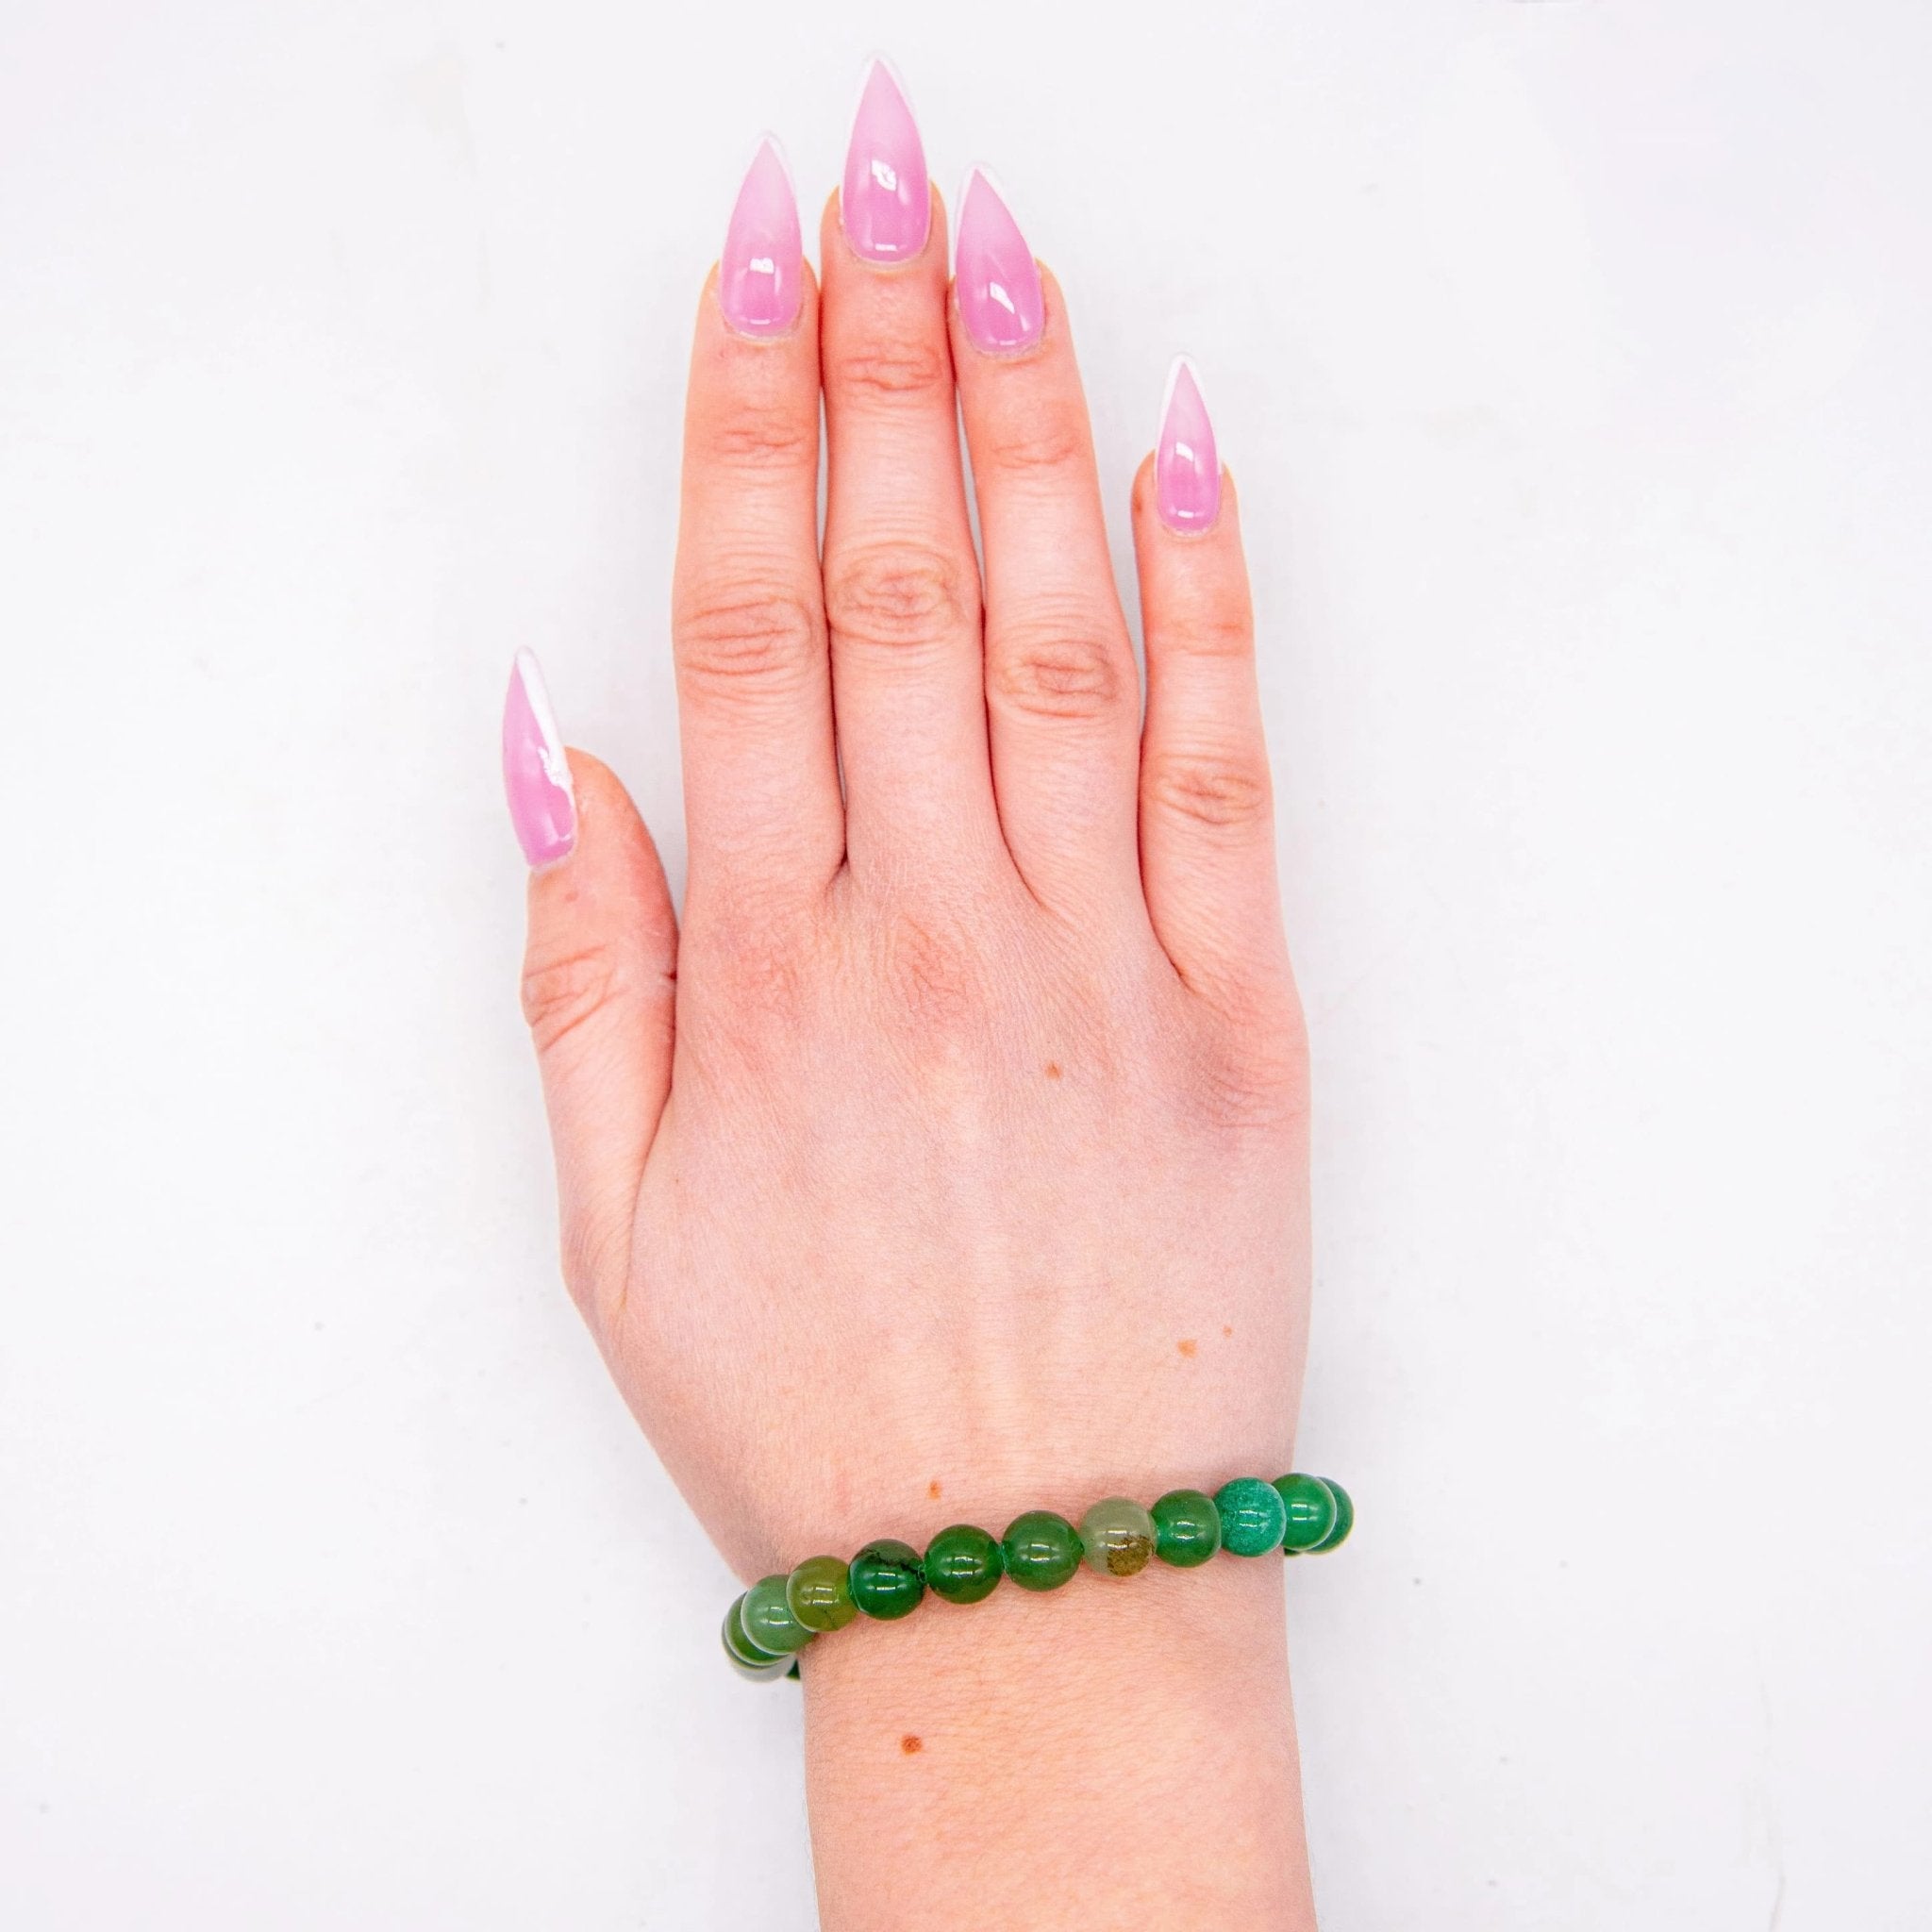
x,y
1298,1515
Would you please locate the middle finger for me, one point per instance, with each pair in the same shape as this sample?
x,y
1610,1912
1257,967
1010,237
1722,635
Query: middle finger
x,y
902,583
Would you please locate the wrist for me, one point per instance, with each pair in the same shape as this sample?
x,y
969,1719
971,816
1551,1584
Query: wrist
x,y
1114,1750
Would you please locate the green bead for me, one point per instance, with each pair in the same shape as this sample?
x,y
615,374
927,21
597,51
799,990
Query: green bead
x,y
1344,1518
747,1658
768,1620
1118,1537
887,1579
1186,1528
1041,1550
821,1594
1252,1516
963,1564
1309,1511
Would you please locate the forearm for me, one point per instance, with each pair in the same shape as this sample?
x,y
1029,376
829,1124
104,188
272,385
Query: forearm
x,y
1118,1753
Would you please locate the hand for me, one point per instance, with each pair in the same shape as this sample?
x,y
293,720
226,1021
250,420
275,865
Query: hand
x,y
953,1160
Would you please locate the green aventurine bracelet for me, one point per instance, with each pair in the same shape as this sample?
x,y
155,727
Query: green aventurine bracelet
x,y
1298,1515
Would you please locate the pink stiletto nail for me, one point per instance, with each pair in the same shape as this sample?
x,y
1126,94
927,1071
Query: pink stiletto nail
x,y
1186,471
995,276
536,773
885,206
762,269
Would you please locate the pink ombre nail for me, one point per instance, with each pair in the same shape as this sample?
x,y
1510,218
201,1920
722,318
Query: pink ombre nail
x,y
762,268
885,206
1187,472
536,773
995,276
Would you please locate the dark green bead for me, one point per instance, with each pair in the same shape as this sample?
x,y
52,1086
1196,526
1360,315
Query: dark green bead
x,y
768,1621
1041,1550
1309,1511
1344,1518
1252,1516
747,1658
819,1595
887,1579
963,1564
1186,1528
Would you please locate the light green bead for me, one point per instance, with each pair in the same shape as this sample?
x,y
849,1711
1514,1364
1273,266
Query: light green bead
x,y
1307,1506
1252,1516
1118,1537
746,1658
1186,1528
819,1591
768,1621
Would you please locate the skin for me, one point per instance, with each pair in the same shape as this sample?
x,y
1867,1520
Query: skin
x,y
953,1159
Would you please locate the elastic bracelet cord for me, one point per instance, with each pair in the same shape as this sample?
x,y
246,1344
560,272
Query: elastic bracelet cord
x,y
774,1619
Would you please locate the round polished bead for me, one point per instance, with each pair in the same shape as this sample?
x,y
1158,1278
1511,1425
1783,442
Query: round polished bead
x,y
1252,1516
747,1658
819,1595
1186,1528
1041,1550
1118,1537
963,1564
768,1621
1307,1511
1344,1518
887,1579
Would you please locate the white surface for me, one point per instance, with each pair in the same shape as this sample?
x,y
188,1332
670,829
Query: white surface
x,y
1572,358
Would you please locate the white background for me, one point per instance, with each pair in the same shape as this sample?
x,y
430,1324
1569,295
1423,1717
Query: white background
x,y
1572,358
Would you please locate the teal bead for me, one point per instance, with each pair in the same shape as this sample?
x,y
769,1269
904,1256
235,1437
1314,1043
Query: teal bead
x,y
746,1658
1344,1518
1041,1550
1309,1511
1186,1528
963,1564
1118,1537
768,1621
1252,1516
887,1579
820,1594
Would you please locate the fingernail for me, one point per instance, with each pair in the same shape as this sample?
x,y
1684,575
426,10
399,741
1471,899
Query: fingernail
x,y
536,773
995,274
762,268
885,206
1187,472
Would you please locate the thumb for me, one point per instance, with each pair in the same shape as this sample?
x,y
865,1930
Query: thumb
x,y
600,972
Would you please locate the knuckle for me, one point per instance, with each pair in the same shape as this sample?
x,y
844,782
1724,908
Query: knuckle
x,y
768,987
1252,1072
741,634
1222,791
563,989
756,978
1060,672
896,594
887,369
931,981
754,438
1211,634
1043,435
